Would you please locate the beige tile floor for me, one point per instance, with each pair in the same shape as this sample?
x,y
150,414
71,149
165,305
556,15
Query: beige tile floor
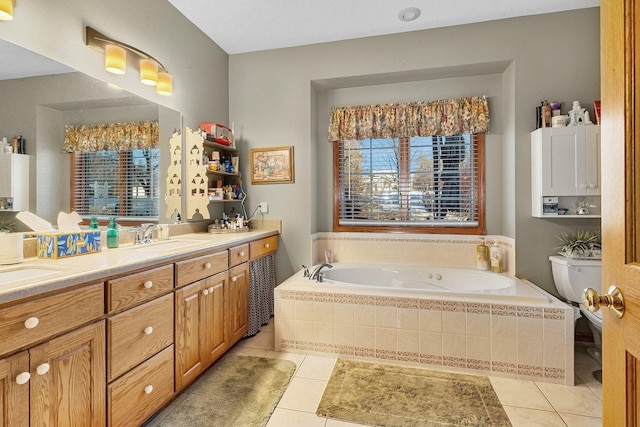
x,y
527,403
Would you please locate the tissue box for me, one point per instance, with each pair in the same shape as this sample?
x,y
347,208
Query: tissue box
x,y
64,245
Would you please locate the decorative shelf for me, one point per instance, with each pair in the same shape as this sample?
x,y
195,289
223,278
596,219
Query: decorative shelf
x,y
221,147
222,173
227,200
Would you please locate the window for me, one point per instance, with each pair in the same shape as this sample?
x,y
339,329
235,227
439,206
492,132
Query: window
x,y
121,183
419,184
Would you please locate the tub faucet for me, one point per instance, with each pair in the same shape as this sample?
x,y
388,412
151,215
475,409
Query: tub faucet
x,y
317,275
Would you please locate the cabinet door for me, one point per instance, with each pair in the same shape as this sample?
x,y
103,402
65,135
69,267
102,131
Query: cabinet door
x,y
238,301
14,397
216,331
189,308
559,161
68,381
591,161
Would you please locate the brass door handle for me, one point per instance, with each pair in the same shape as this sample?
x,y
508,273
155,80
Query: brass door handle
x,y
613,299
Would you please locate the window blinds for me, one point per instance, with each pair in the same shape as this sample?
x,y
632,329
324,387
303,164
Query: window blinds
x,y
419,181
122,183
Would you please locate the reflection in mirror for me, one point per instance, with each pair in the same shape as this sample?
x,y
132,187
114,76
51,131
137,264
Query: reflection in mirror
x,y
41,97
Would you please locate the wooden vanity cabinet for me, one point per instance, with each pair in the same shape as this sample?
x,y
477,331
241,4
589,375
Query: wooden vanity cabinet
x,y
238,302
14,393
140,327
60,382
262,247
68,379
201,332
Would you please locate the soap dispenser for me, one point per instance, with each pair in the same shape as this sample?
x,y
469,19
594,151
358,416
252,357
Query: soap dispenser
x,y
496,257
112,234
482,256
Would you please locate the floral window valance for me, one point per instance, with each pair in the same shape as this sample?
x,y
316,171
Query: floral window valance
x,y
111,136
433,118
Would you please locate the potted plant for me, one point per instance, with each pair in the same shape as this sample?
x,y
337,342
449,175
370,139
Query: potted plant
x,y
11,244
582,244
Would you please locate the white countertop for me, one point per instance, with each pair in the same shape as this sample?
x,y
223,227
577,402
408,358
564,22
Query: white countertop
x,y
36,276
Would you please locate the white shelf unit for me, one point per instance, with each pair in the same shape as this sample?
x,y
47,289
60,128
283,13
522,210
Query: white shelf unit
x,y
14,180
565,163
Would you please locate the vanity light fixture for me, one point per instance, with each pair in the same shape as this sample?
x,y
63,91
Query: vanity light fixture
x,y
118,55
148,72
115,59
165,84
6,10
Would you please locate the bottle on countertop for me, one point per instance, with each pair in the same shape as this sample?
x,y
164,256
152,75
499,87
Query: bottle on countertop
x,y
495,253
93,223
482,256
112,234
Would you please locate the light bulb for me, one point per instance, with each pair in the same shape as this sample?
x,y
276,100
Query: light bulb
x,y
165,84
6,10
148,72
115,59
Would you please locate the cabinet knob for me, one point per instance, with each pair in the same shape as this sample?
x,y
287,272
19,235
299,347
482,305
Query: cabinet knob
x,y
148,330
593,185
211,289
42,369
31,322
207,265
241,253
148,389
148,284
22,378
234,278
267,245
205,292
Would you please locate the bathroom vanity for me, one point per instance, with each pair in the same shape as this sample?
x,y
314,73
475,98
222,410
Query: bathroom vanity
x,y
110,338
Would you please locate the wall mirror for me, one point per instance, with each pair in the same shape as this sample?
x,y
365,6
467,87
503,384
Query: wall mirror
x,y
40,97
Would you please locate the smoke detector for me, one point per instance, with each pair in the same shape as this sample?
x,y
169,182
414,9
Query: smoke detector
x,y
409,14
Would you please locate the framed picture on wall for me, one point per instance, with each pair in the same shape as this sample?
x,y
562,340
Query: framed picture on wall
x,y
272,165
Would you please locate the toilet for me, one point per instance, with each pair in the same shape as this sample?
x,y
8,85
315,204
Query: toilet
x,y
572,277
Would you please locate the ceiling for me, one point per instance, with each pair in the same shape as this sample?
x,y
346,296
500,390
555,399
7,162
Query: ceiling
x,y
248,26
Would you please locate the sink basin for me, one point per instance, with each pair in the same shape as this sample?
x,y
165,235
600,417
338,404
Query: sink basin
x,y
25,272
164,245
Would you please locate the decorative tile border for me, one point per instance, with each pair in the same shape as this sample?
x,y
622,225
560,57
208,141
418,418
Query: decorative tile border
x,y
550,374
503,310
554,313
478,308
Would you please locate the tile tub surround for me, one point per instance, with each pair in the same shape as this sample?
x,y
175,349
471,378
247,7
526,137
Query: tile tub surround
x,y
497,338
443,250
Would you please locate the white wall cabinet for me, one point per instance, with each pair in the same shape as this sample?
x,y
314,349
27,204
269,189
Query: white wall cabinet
x,y
14,181
565,163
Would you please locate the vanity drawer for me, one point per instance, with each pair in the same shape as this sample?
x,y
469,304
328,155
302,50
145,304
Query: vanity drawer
x,y
192,270
32,321
263,247
136,334
137,395
130,290
238,255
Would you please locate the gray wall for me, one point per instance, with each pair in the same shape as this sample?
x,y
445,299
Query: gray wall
x,y
199,67
281,97
55,29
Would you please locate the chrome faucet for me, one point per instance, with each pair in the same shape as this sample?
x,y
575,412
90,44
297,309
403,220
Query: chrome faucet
x,y
317,275
144,233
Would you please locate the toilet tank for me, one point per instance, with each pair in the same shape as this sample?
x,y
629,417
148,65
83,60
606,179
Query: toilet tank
x,y
573,276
